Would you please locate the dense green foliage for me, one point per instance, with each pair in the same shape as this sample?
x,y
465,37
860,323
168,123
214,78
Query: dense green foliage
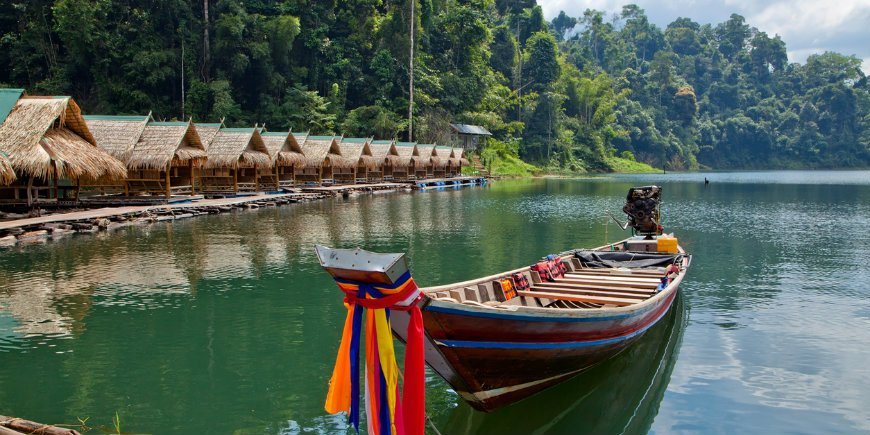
x,y
571,94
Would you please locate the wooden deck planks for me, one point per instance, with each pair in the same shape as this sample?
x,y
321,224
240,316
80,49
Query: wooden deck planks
x,y
604,300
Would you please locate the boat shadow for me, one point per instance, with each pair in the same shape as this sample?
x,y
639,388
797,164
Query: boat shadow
x,y
619,396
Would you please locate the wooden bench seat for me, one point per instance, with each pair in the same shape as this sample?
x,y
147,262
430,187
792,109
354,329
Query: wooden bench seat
x,y
563,284
593,292
603,300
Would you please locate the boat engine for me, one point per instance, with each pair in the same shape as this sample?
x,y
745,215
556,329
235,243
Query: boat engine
x,y
642,208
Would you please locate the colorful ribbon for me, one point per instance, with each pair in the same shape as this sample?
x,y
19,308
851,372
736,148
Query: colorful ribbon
x,y
385,414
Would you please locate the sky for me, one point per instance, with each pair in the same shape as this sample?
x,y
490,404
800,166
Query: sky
x,y
806,26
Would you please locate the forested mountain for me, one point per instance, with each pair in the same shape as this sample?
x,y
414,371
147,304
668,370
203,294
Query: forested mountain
x,y
566,93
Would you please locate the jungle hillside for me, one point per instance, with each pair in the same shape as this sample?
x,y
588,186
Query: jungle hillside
x,y
572,94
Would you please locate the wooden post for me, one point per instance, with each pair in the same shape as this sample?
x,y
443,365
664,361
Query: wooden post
x,y
190,174
29,192
168,187
235,180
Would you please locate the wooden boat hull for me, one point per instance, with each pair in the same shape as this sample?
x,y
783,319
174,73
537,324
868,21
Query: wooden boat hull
x,y
493,358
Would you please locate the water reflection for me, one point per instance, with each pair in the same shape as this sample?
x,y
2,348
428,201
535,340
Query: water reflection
x,y
619,396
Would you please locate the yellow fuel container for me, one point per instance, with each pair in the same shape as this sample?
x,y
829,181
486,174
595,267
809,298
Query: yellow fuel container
x,y
667,244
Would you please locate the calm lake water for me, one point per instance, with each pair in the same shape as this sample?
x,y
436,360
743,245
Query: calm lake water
x,y
228,323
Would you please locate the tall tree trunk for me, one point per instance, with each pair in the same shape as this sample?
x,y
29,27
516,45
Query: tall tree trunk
x,y
206,49
411,86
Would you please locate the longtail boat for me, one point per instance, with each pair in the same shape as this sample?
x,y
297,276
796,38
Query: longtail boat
x,y
504,337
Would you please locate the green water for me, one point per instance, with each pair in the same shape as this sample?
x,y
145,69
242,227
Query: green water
x,y
226,324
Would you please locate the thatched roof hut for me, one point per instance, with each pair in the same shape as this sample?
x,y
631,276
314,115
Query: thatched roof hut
x,y
444,155
161,143
232,146
318,148
292,153
355,150
117,135
7,175
47,137
207,132
407,151
426,154
459,154
283,148
382,150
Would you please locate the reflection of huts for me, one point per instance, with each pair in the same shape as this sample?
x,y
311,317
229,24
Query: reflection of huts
x,y
116,135
234,156
287,157
443,161
358,160
458,161
385,155
51,150
165,159
425,161
322,155
403,170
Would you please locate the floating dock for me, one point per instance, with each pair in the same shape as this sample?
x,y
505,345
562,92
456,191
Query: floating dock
x,y
446,182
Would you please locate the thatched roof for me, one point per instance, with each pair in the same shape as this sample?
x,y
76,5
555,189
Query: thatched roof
x,y
44,134
427,155
382,150
283,148
7,175
318,148
356,150
407,151
117,135
459,157
207,132
232,146
163,142
444,154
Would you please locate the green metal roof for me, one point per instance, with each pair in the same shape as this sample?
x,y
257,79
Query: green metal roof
x,y
382,142
355,139
274,133
406,144
116,117
168,123
239,129
8,98
443,147
206,124
321,137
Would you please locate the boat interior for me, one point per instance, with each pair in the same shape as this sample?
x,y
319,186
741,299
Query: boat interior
x,y
585,284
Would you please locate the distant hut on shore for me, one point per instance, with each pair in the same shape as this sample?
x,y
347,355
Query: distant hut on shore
x,y
403,170
51,150
443,162
425,161
234,157
457,162
358,160
165,159
385,155
287,157
116,135
322,155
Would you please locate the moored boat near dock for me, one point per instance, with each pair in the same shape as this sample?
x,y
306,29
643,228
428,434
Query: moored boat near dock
x,y
501,338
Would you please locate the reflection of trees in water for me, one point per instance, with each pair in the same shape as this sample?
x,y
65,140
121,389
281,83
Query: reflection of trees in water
x,y
621,395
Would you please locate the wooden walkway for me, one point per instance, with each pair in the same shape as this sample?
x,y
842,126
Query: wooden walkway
x,y
88,215
338,188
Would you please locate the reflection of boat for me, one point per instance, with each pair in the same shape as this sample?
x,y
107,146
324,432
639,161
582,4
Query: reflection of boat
x,y
504,337
619,396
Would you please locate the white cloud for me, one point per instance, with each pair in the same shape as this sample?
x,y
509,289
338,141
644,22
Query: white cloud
x,y
806,26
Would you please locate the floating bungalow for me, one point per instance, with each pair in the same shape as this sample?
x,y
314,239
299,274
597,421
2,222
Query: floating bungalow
x,y
358,160
165,159
322,155
116,135
444,162
234,157
424,166
287,157
404,168
458,161
51,150
385,155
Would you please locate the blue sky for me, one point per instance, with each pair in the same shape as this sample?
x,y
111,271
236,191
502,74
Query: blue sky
x,y
806,26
